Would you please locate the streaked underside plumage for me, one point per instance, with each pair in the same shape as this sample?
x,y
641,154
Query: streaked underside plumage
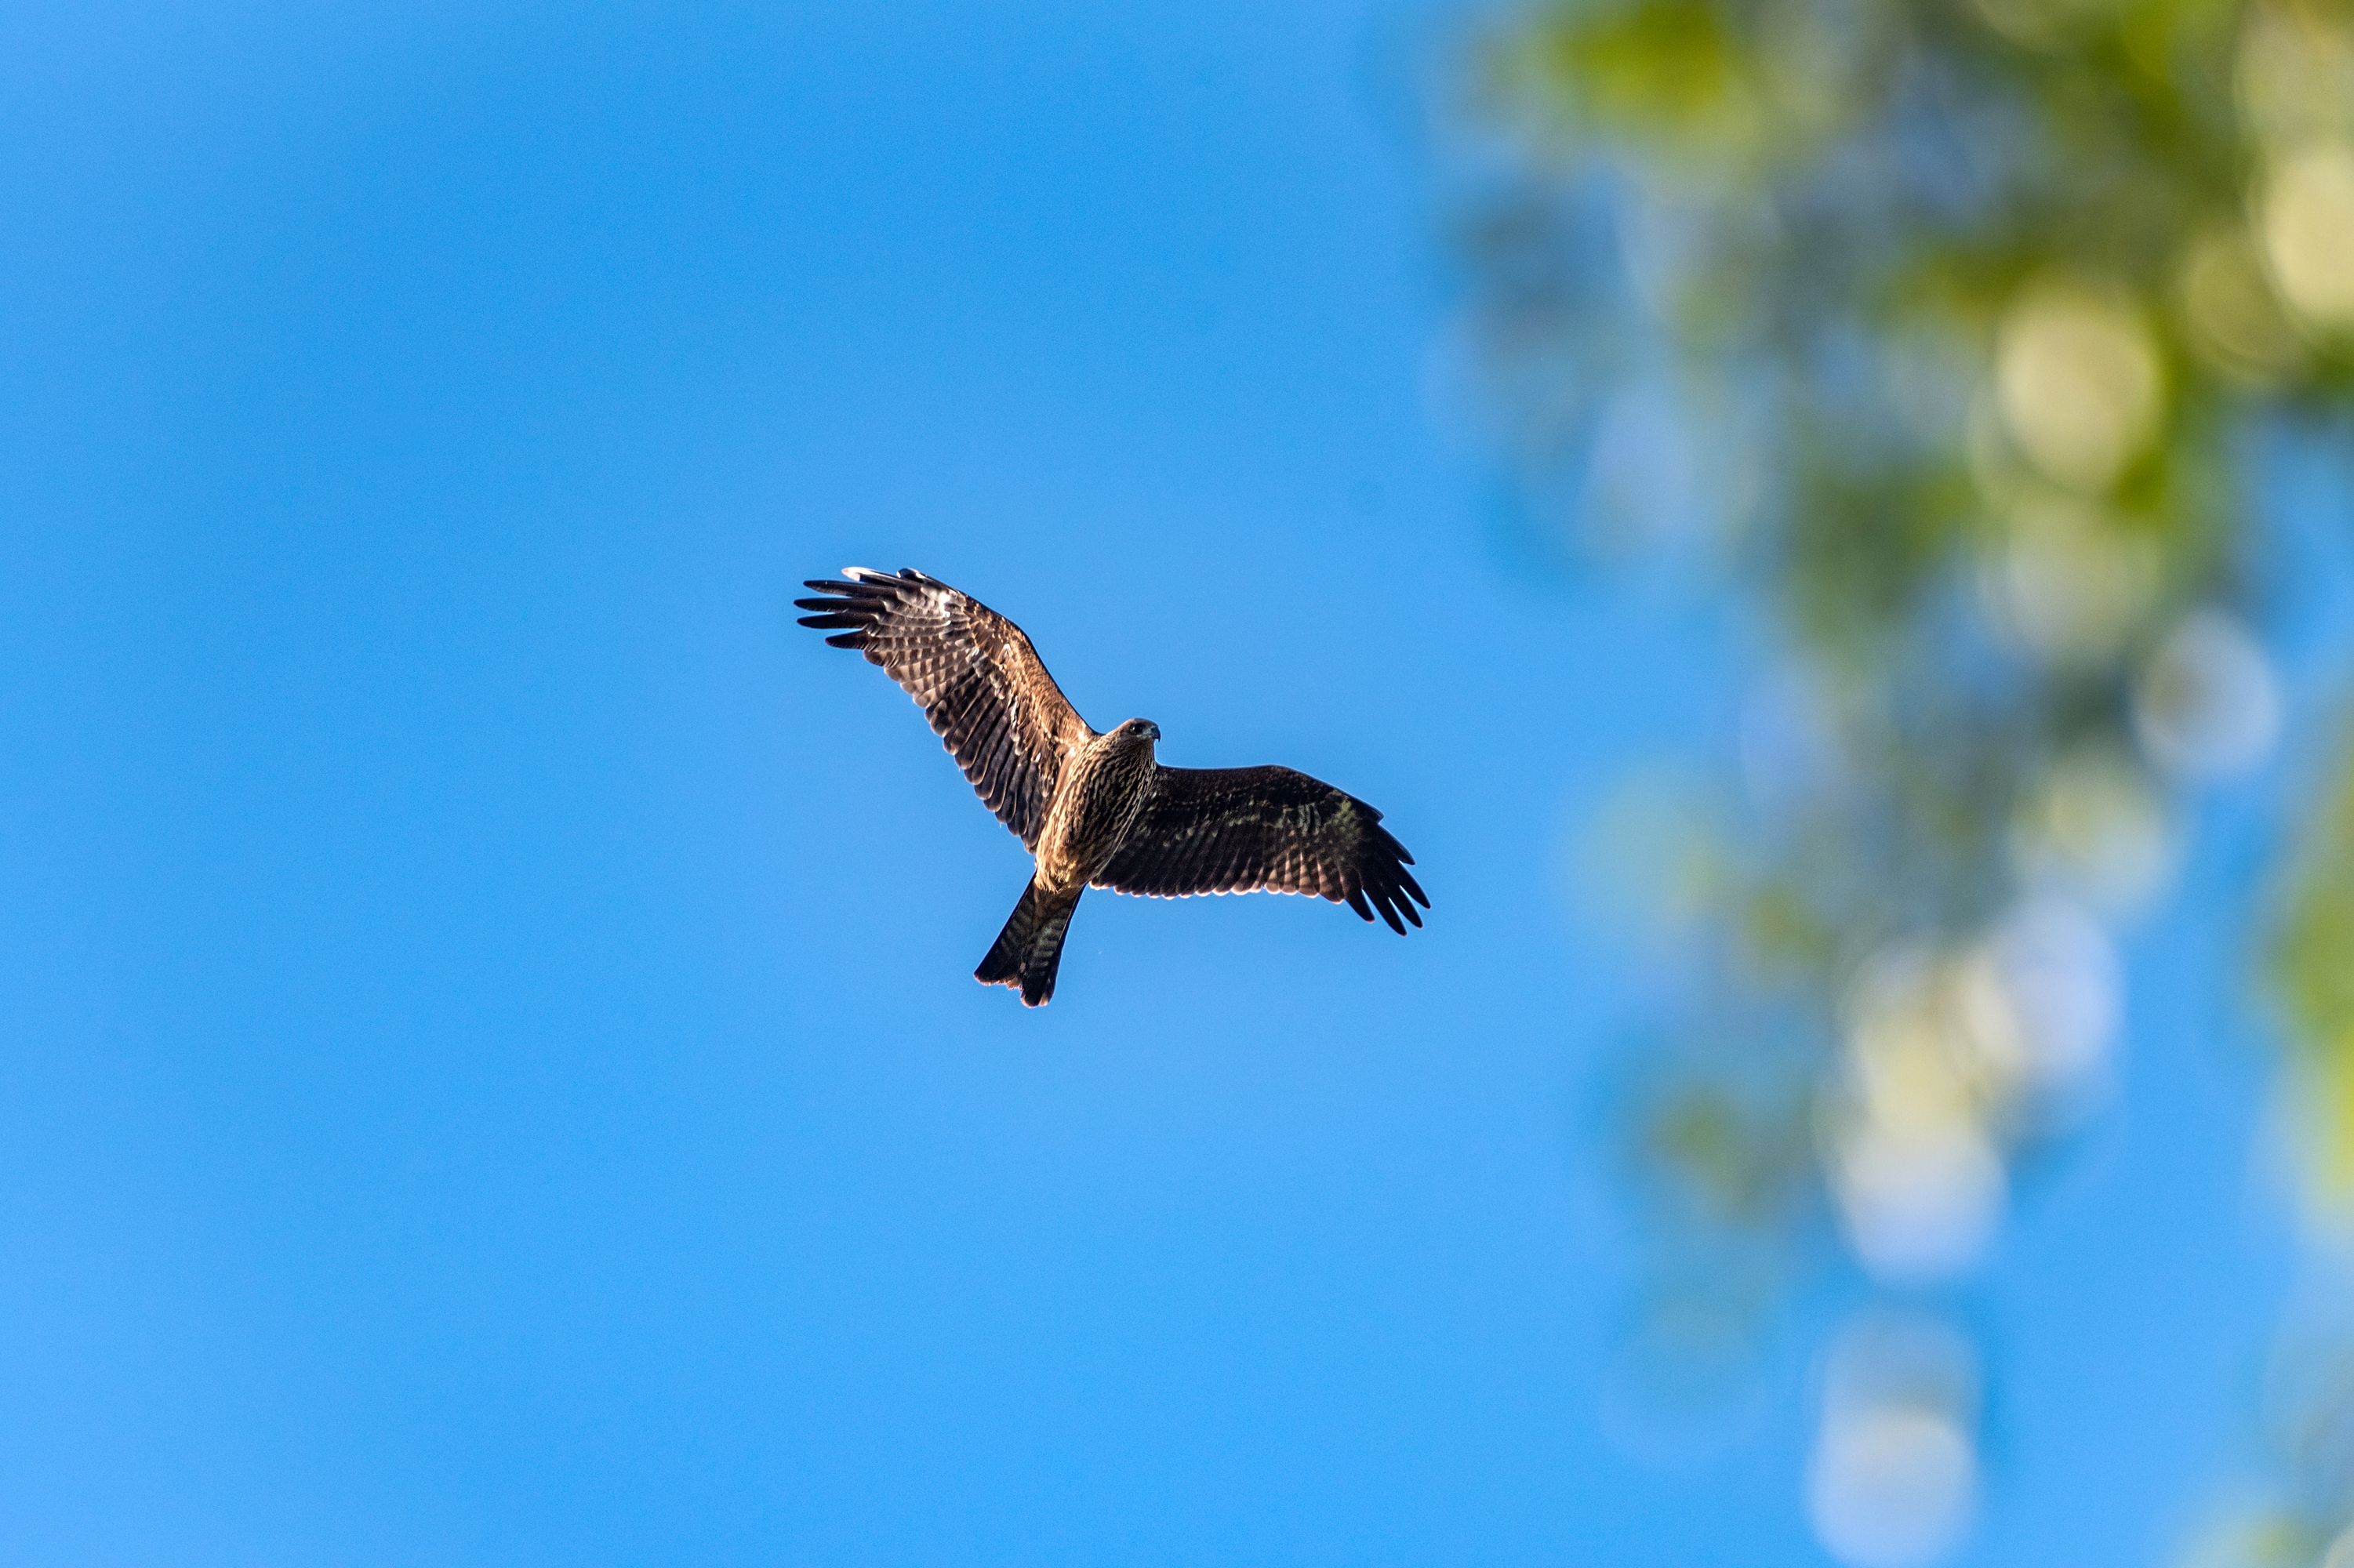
x,y
1096,808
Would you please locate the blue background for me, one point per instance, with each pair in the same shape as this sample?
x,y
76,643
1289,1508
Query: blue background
x,y
491,1072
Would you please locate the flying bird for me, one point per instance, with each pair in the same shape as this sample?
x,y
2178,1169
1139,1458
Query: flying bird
x,y
1096,808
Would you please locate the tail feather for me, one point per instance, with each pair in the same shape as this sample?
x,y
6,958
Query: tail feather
x,y
1030,949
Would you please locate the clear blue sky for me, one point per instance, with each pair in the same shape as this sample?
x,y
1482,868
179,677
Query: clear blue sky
x,y
491,1073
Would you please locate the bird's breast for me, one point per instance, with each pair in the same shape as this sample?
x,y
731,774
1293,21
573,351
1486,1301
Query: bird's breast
x,y
1096,802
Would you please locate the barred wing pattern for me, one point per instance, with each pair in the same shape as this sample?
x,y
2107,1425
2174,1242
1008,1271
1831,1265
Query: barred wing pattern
x,y
1240,830
978,680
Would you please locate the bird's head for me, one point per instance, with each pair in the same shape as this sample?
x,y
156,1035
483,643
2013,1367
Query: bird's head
x,y
1138,732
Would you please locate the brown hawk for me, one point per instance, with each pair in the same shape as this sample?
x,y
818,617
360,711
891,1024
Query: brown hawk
x,y
1097,810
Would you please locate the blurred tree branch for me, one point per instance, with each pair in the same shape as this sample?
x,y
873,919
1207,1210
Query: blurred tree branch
x,y
1943,326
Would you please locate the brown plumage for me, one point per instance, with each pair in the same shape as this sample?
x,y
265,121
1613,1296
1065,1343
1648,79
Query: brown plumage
x,y
1097,810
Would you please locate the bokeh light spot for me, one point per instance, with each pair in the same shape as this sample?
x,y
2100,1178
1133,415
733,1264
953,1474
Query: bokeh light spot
x,y
2078,380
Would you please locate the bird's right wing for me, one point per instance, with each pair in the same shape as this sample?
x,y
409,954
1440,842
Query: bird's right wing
x,y
1240,830
975,675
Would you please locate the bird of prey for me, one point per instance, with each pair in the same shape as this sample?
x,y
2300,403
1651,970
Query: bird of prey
x,y
1096,808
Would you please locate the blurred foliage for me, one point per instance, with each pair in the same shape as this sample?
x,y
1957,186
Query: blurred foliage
x,y
2315,981
1940,329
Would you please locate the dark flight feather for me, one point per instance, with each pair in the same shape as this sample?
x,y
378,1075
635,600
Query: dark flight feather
x,y
1243,829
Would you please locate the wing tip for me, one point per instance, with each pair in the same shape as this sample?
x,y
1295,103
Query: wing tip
x,y
859,601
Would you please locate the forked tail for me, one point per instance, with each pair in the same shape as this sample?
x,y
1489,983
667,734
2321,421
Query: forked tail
x,y
1030,948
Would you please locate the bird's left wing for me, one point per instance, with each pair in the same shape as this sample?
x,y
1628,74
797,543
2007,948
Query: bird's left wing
x,y
983,685
1241,829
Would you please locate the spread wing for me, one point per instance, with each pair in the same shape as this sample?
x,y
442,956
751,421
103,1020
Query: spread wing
x,y
1238,830
978,679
